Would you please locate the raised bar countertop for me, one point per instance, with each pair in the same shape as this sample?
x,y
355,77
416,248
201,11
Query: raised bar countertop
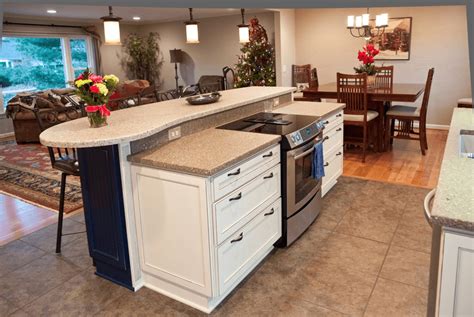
x,y
310,108
205,153
139,122
453,205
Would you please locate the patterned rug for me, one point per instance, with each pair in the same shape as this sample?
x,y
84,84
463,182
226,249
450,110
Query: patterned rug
x,y
26,173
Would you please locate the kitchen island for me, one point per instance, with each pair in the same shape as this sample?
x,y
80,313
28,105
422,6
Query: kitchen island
x,y
146,196
451,215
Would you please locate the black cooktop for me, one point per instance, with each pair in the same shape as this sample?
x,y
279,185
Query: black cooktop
x,y
271,123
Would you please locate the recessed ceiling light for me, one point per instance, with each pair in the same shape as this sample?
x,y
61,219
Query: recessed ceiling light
x,y
51,11
137,18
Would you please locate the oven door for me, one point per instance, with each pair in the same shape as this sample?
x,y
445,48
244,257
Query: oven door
x,y
300,185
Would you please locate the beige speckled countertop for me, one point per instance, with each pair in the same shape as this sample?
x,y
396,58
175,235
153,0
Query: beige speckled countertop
x,y
310,108
205,153
453,205
139,122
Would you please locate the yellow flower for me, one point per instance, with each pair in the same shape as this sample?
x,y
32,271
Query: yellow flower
x,y
102,89
112,78
81,82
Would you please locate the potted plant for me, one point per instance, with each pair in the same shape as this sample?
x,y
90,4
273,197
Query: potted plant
x,y
95,91
367,57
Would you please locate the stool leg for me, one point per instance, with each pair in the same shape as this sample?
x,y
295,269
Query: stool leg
x,y
61,213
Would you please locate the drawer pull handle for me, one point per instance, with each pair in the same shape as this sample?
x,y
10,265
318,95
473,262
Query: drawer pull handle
x,y
236,197
241,236
325,138
326,164
339,115
237,172
339,129
268,155
269,176
269,213
326,122
339,153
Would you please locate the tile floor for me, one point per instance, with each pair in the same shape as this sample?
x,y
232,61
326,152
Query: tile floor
x,y
366,255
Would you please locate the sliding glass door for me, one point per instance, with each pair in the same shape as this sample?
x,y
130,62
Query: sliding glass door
x,y
38,63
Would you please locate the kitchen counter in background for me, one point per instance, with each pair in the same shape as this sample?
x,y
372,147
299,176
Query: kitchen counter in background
x,y
205,153
453,205
310,108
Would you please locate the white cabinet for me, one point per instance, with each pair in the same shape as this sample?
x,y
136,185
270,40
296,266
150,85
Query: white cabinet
x,y
200,236
333,150
457,275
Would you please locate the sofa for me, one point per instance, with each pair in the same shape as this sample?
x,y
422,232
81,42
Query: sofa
x,y
21,109
24,107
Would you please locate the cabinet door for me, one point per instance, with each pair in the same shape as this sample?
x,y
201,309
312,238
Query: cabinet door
x,y
457,279
172,227
104,213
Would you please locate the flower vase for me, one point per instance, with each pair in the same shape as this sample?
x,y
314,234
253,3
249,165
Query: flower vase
x,y
371,79
97,119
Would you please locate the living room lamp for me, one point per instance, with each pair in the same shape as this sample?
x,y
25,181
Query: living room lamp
x,y
192,32
176,57
111,28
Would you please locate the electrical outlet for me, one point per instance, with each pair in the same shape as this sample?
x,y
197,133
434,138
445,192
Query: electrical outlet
x,y
276,102
174,133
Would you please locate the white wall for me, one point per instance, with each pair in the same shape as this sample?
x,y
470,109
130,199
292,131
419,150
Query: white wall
x,y
439,40
285,45
219,46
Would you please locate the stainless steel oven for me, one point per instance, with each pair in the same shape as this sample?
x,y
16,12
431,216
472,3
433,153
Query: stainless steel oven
x,y
301,193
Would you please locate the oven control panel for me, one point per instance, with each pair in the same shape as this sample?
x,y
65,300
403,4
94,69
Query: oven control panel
x,y
298,137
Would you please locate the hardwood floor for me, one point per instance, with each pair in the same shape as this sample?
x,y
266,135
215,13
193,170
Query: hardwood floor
x,y
403,165
18,218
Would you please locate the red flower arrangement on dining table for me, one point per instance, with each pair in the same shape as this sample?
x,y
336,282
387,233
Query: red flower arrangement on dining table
x,y
367,57
96,91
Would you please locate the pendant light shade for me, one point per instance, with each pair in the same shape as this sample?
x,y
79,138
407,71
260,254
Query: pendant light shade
x,y
192,31
244,31
111,28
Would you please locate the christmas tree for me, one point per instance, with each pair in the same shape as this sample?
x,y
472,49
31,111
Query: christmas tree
x,y
256,64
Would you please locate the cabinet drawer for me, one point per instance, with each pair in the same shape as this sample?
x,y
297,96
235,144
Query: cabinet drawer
x,y
237,208
333,138
242,251
333,167
238,175
332,121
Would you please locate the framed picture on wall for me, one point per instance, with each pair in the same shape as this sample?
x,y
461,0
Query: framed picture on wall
x,y
395,42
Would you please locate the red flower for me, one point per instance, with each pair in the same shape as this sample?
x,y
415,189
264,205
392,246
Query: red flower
x,y
94,89
81,76
95,78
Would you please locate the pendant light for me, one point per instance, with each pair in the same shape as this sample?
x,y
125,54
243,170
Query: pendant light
x,y
192,32
111,28
244,32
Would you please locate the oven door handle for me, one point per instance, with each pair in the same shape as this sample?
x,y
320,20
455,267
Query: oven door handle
x,y
297,157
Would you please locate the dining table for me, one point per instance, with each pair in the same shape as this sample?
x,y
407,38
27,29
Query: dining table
x,y
377,99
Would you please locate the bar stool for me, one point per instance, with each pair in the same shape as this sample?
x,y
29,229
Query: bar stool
x,y
62,159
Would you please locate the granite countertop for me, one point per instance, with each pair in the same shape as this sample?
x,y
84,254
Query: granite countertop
x,y
205,153
453,205
139,122
311,108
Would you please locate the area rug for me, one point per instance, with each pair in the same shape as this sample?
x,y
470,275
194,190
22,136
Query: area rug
x,y
26,173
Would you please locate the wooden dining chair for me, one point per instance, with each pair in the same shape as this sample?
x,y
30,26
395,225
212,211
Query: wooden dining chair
x,y
384,77
62,159
401,119
352,91
304,74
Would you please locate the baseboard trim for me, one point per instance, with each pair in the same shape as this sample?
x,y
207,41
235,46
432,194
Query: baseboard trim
x,y
437,126
6,135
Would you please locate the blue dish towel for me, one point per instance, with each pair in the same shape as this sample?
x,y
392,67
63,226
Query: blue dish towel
x,y
317,168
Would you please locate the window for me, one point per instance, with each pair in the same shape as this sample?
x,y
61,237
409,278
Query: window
x,y
39,63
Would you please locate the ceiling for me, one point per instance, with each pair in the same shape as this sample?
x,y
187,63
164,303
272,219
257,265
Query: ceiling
x,y
93,13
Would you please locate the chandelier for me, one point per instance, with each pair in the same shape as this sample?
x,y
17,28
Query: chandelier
x,y
359,26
